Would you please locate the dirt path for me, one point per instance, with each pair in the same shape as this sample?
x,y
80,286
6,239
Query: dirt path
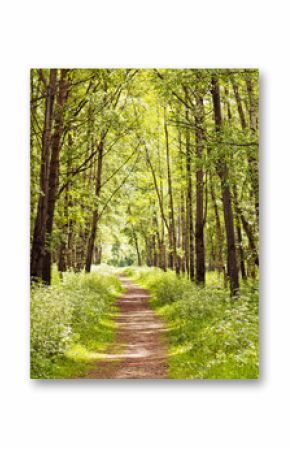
x,y
140,350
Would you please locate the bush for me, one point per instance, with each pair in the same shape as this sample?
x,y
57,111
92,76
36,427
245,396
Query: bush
x,y
69,312
210,335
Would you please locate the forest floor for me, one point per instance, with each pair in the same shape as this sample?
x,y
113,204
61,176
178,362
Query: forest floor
x,y
140,349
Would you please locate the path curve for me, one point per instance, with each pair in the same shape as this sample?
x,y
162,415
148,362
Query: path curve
x,y
139,351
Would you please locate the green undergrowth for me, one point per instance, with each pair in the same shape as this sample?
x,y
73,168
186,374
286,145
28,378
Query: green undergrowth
x,y
72,322
210,335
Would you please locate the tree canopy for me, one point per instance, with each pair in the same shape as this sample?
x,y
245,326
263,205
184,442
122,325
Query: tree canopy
x,y
145,166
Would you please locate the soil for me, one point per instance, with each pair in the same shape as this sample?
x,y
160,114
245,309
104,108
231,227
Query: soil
x,y
140,350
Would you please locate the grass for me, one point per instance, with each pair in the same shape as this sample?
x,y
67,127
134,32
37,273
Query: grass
x,y
211,336
72,322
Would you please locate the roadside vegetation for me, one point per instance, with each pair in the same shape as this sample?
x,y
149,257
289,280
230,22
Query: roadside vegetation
x,y
211,336
72,322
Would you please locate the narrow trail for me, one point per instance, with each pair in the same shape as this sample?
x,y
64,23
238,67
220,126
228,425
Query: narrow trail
x,y
139,351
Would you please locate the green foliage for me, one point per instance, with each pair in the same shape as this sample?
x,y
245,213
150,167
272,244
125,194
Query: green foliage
x,y
140,136
211,336
71,322
134,125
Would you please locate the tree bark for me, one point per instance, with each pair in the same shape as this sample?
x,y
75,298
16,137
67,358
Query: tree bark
x,y
253,161
239,104
239,235
64,246
199,224
91,242
158,193
219,253
189,212
135,238
222,171
54,172
39,234
172,230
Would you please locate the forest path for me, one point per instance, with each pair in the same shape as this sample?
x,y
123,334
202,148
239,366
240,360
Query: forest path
x,y
139,351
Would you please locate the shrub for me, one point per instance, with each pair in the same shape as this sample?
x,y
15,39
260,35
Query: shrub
x,y
68,312
210,335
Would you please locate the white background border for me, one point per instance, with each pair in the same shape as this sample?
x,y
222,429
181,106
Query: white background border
x,y
171,414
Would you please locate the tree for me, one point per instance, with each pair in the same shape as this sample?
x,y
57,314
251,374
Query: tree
x,y
39,234
199,226
222,170
145,166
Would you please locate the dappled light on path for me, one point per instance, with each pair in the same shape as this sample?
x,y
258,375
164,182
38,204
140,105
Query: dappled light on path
x,y
140,349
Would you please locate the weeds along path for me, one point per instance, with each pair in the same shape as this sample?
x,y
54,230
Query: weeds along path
x,y
139,351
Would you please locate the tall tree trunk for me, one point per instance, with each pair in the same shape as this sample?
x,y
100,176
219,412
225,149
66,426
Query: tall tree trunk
x,y
149,250
222,171
183,235
239,104
199,225
252,160
189,212
39,234
54,172
219,253
154,251
61,258
159,193
34,172
62,261
162,247
227,103
241,248
172,230
182,214
91,242
253,156
239,234
80,250
64,246
135,239
178,241
159,258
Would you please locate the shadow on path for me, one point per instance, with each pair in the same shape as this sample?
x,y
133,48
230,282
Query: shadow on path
x,y
139,351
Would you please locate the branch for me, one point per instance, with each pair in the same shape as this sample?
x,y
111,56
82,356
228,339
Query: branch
x,y
117,189
156,188
119,168
189,106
